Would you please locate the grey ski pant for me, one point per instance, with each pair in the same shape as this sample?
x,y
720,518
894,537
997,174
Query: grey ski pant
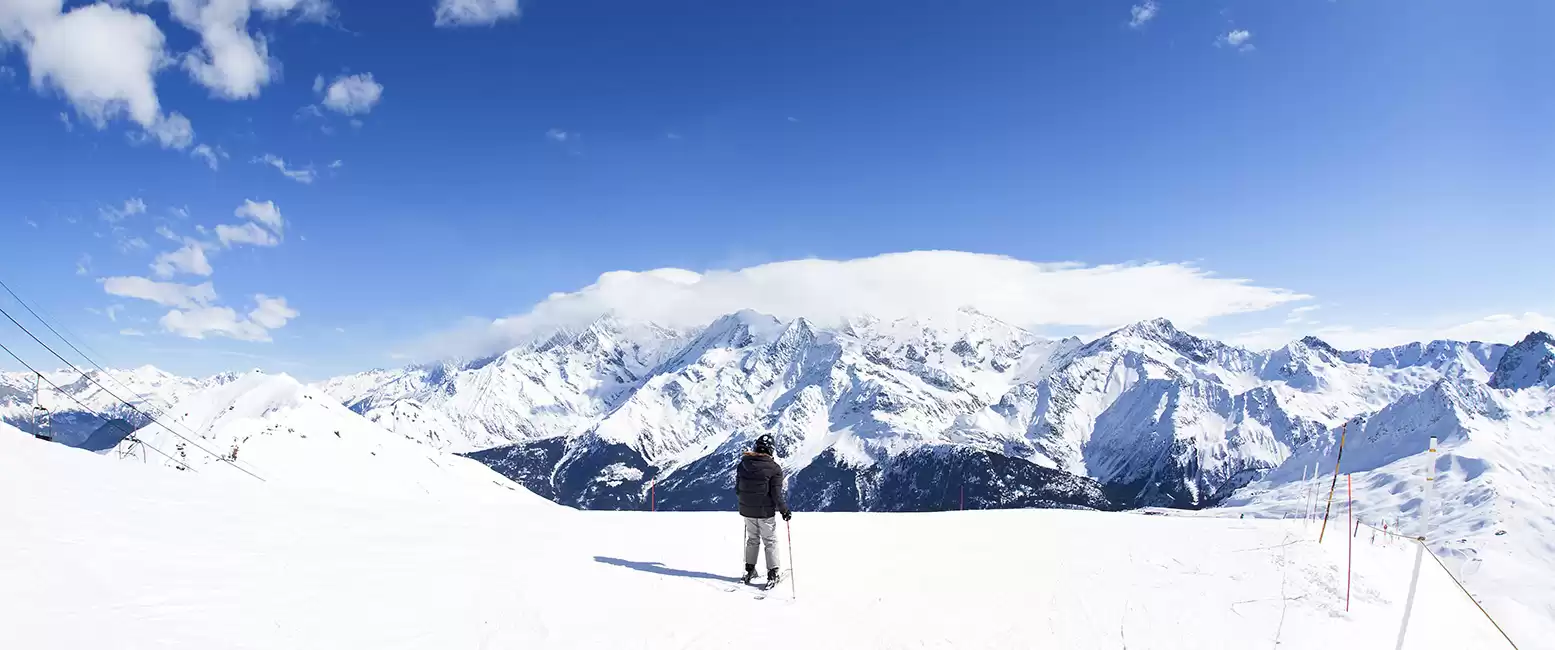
x,y
759,533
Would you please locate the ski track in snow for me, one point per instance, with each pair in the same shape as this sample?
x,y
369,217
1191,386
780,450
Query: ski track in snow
x,y
99,553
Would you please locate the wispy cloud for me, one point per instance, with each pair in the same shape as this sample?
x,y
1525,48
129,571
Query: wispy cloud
x,y
558,135
304,175
131,332
1142,13
130,208
211,155
1496,328
468,13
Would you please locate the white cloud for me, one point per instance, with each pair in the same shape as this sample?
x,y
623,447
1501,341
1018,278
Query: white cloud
x,y
168,234
190,259
921,283
197,323
265,213
462,13
131,332
247,233
31,223
311,111
64,118
220,321
558,135
211,156
1240,39
303,176
131,207
1142,13
232,62
337,164
101,58
84,264
112,312
271,313
318,86
793,119
1301,314
169,294
353,95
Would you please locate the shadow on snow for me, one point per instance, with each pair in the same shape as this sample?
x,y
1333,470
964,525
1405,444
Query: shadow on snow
x,y
659,568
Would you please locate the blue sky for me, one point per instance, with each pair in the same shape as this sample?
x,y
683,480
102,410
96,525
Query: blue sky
x,y
1389,161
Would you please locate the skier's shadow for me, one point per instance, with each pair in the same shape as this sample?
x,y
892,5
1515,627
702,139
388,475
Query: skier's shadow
x,y
659,568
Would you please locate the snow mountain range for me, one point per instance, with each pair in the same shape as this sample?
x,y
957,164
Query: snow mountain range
x,y
916,414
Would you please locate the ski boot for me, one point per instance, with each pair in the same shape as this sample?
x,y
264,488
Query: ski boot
x,y
774,576
750,574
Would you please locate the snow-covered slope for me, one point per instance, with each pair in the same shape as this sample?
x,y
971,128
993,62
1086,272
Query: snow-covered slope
x,y
99,554
293,435
147,388
1491,508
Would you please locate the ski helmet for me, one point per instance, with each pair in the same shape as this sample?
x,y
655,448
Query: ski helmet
x,y
763,444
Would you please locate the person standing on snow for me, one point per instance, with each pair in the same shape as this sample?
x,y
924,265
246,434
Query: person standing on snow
x,y
758,482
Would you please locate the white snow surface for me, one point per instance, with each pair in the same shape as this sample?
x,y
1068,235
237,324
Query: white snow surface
x,y
105,554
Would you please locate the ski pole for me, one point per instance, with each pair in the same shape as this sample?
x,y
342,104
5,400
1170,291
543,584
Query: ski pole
x,y
789,526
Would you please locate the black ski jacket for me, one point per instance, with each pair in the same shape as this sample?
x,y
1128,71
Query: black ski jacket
x,y
759,483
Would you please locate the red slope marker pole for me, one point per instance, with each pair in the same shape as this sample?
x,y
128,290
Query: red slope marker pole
x,y
1350,558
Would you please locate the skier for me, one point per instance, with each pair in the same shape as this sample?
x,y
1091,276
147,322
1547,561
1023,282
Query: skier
x,y
759,484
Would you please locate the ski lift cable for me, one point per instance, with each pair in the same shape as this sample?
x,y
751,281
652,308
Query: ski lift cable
x,y
110,393
162,410
129,435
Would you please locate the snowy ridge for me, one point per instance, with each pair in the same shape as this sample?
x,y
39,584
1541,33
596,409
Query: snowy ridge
x,y
550,387
73,425
1528,364
293,435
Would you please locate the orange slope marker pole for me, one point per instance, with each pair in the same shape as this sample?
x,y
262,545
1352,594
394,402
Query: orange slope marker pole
x,y
1334,485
